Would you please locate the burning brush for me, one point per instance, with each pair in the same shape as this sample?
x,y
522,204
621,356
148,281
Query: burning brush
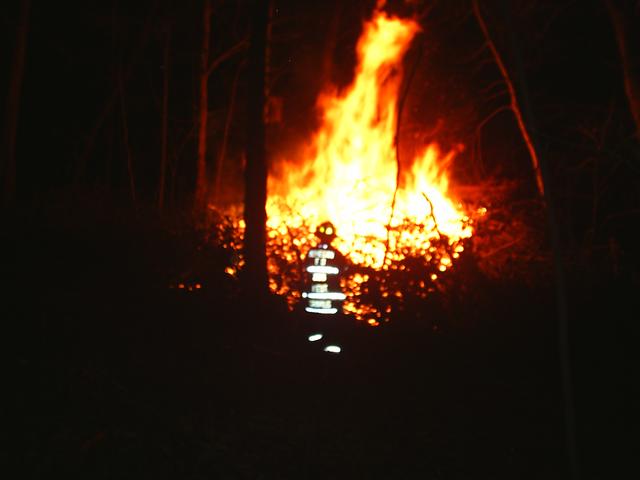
x,y
399,231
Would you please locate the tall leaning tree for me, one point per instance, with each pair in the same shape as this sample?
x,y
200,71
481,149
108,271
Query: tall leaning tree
x,y
625,17
522,108
8,166
255,175
207,67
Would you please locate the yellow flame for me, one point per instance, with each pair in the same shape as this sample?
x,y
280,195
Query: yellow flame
x,y
348,172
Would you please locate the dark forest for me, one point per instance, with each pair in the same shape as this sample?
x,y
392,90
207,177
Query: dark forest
x,y
154,311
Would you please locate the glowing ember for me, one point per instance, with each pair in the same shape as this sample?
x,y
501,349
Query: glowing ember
x,y
348,173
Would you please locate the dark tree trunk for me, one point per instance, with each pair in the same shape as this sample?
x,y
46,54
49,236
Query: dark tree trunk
x,y
255,196
626,23
13,105
225,138
125,138
165,121
201,171
112,100
523,111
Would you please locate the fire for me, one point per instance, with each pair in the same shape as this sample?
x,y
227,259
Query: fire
x,y
348,173
401,231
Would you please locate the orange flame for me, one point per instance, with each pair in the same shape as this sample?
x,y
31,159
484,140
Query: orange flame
x,y
348,173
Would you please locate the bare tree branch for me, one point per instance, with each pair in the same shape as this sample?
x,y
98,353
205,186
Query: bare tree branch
x,y
626,38
515,106
432,214
396,144
237,48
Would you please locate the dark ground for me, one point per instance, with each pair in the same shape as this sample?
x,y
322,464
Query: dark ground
x,y
111,374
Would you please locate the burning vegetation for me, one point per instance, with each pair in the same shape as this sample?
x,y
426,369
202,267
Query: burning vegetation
x,y
142,335
398,224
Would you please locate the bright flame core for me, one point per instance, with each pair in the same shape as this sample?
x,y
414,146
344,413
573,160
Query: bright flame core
x,y
348,173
